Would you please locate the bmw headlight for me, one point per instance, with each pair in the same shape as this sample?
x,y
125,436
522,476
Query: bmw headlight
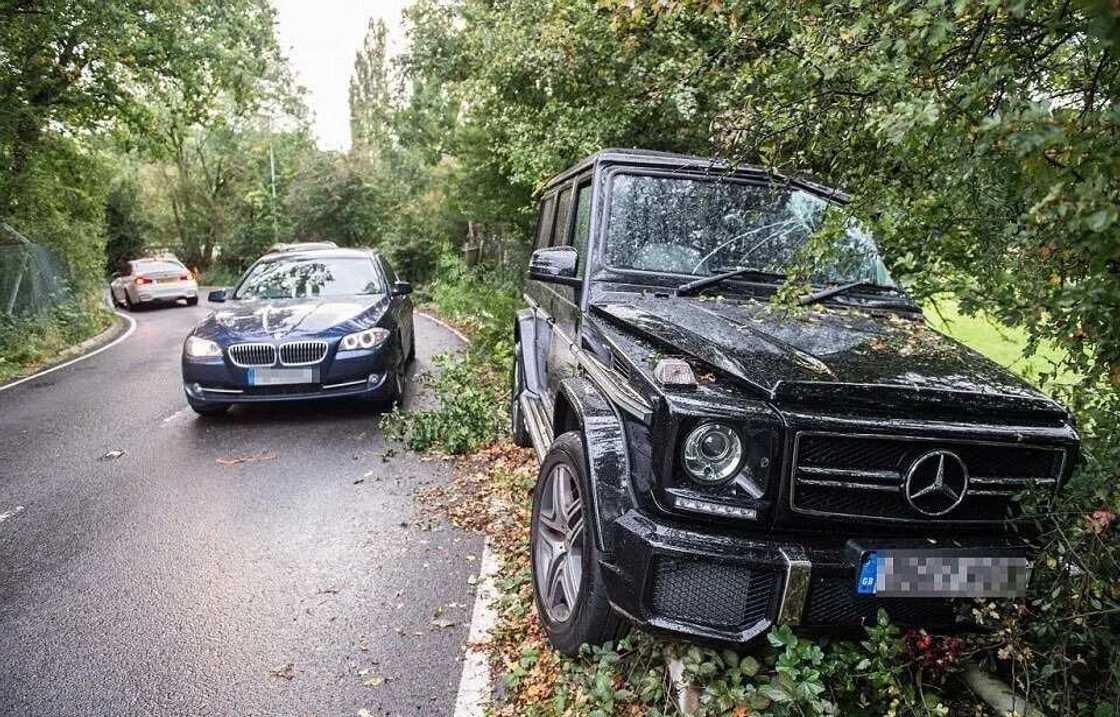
x,y
202,348
363,339
712,453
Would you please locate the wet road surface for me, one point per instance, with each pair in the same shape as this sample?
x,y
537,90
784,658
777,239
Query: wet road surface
x,y
172,580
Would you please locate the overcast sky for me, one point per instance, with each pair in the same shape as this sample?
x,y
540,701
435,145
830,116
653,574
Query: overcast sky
x,y
320,38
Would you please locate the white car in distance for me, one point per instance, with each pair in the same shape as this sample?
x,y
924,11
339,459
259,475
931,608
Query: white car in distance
x,y
151,281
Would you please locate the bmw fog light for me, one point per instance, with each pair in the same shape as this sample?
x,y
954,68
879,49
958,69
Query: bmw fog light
x,y
712,453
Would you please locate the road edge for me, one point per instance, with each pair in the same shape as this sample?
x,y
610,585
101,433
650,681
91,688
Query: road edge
x,y
441,323
92,346
475,690
474,684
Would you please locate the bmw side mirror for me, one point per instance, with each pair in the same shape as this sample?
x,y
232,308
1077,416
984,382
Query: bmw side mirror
x,y
555,265
401,288
216,297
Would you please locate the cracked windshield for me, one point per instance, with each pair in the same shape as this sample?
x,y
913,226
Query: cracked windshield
x,y
559,358
703,227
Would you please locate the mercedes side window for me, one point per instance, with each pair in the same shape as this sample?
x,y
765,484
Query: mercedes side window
x,y
563,211
544,221
583,223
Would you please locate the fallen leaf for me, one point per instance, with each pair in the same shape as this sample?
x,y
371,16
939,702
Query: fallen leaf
x,y
443,623
1099,520
247,458
375,681
112,455
286,672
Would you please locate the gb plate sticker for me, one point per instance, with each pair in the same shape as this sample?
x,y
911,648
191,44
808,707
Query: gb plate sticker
x,y
868,572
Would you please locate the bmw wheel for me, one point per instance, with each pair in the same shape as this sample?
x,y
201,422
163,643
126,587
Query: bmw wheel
x,y
517,421
568,586
393,394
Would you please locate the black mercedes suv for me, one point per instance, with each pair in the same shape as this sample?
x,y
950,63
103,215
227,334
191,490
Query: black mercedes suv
x,y
714,462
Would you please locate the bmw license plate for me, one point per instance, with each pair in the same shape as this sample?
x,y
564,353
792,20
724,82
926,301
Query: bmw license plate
x,y
942,573
282,376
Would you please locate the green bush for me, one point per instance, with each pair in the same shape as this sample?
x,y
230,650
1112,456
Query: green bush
x,y
483,299
470,413
28,340
219,275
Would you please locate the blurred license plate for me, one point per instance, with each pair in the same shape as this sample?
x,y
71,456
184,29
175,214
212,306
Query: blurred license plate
x,y
941,573
171,280
281,376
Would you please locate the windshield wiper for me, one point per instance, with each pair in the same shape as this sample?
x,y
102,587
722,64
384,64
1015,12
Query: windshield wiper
x,y
692,287
844,288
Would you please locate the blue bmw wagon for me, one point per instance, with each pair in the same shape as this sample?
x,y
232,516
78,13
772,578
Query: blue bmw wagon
x,y
303,324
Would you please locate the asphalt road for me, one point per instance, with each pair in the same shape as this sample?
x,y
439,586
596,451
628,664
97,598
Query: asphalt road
x,y
166,582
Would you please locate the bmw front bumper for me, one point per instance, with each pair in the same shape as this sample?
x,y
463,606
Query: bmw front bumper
x,y
365,374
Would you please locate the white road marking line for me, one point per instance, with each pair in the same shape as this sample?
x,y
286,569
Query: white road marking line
x,y
11,513
83,357
458,334
474,685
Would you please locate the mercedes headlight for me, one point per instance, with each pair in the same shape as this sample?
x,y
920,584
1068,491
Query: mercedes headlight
x,y
712,453
364,339
202,348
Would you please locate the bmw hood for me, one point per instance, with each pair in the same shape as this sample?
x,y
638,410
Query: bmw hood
x,y
873,358
273,320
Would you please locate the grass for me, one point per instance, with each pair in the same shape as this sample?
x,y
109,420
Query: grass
x,y
1003,344
28,342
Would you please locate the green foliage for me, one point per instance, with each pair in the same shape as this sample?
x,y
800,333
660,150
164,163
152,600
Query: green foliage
x,y
218,276
124,224
469,413
61,205
471,391
29,340
484,300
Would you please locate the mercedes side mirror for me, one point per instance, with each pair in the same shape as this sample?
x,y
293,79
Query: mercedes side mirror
x,y
555,265
216,297
401,288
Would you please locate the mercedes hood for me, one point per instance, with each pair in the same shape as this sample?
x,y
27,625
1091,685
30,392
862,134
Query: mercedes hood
x,y
825,353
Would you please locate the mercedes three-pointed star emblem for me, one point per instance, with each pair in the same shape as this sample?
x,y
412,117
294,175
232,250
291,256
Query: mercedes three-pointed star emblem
x,y
936,483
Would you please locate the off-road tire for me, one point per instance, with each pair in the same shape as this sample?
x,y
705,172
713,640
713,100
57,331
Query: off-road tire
x,y
592,621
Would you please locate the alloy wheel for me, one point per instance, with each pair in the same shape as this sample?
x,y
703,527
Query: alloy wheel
x,y
558,543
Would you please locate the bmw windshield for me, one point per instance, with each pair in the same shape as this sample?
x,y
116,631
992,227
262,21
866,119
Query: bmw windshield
x,y
310,277
702,227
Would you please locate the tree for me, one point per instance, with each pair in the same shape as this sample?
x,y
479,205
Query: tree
x,y
371,105
124,224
